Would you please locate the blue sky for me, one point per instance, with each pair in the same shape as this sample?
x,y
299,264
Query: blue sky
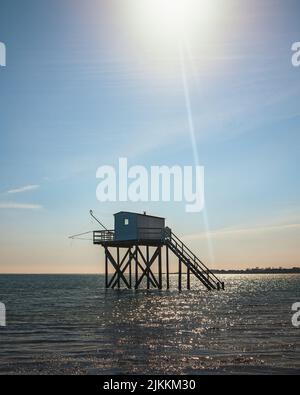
x,y
84,86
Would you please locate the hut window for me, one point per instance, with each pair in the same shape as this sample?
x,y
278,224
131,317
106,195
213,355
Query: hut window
x,y
126,221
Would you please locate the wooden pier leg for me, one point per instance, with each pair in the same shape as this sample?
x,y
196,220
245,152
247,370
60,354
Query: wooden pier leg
x,y
159,269
136,267
130,268
179,275
106,269
188,278
167,267
148,271
118,263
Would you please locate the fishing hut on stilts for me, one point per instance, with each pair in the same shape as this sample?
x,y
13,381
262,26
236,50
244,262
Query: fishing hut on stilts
x,y
138,244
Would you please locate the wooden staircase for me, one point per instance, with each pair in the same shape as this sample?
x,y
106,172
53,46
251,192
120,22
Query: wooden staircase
x,y
193,263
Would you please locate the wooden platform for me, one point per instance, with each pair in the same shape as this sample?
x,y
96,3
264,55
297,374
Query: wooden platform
x,y
129,243
144,257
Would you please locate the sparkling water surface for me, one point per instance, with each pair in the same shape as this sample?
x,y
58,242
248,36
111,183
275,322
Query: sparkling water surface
x,y
71,325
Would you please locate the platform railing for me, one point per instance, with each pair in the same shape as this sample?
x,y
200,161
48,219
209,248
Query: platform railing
x,y
143,233
100,236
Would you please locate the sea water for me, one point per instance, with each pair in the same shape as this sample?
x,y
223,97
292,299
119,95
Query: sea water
x,y
69,324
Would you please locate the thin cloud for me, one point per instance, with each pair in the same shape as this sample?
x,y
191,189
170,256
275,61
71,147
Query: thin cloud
x,y
25,188
245,231
19,206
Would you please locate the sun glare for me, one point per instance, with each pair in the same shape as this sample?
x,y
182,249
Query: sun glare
x,y
172,19
175,16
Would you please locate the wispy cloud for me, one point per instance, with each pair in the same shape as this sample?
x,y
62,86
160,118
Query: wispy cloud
x,y
241,231
19,206
25,188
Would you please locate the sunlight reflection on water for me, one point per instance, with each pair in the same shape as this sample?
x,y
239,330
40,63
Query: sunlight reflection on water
x,y
70,324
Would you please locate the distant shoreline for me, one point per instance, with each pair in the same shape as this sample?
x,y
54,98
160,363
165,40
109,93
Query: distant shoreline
x,y
294,270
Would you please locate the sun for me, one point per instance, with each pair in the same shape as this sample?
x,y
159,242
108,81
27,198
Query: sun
x,y
172,19
157,33
175,16
168,16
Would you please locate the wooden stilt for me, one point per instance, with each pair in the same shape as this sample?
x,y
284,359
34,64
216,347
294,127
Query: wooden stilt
x,y
106,269
167,267
188,277
118,263
130,268
180,275
148,271
159,269
136,266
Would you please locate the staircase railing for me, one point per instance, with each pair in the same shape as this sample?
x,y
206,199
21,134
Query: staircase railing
x,y
193,259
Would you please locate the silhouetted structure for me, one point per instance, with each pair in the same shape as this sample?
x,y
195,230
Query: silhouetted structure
x,y
135,246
